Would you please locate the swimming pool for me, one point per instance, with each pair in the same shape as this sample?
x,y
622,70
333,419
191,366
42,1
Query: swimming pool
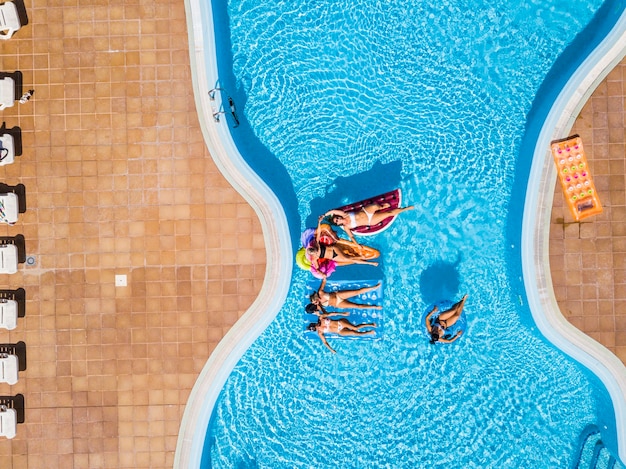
x,y
449,155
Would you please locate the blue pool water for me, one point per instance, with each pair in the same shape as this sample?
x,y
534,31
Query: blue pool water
x,y
341,100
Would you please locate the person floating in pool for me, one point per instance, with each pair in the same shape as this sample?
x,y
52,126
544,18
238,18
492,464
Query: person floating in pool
x,y
338,299
366,216
444,321
342,252
343,327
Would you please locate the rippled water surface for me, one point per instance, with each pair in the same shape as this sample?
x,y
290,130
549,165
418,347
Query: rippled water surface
x,y
441,90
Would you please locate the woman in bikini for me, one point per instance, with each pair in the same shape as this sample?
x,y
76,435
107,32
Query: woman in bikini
x,y
369,215
339,299
327,245
342,327
445,320
340,254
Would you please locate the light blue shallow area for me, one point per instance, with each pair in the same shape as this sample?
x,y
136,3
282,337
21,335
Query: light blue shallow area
x,y
434,98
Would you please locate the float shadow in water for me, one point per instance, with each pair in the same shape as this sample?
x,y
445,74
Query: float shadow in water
x,y
440,281
344,190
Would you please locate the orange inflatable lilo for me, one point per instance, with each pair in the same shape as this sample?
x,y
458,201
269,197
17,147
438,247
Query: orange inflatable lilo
x,y
323,251
571,163
327,245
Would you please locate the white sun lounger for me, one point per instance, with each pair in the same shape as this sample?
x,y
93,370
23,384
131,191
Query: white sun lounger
x,y
8,259
8,422
9,208
7,92
8,314
9,20
9,365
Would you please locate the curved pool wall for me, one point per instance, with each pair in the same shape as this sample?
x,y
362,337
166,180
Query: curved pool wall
x,y
534,229
554,122
275,231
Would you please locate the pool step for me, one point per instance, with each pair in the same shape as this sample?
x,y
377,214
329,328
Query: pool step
x,y
594,454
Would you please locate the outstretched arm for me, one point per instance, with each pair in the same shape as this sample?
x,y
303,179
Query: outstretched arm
x,y
321,334
320,290
320,220
361,261
449,341
427,320
317,229
335,212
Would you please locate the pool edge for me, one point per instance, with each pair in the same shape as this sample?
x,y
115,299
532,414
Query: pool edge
x,y
277,243
536,228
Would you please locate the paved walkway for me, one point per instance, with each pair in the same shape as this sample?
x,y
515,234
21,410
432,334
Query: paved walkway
x,y
118,181
588,259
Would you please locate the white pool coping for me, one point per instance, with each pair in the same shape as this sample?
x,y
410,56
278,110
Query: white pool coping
x,y
535,234
273,293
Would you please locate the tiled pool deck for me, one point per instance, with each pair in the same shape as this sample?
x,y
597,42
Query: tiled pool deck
x,y
588,259
119,181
